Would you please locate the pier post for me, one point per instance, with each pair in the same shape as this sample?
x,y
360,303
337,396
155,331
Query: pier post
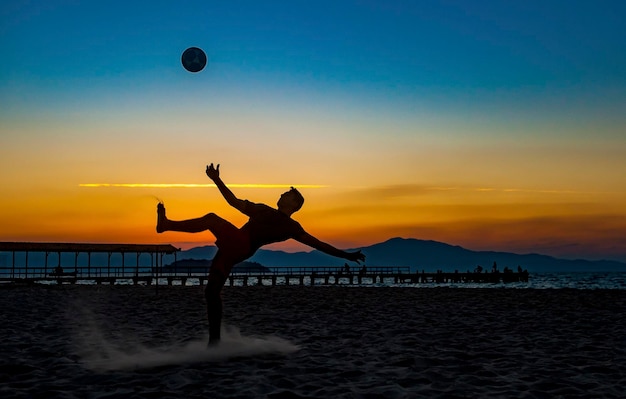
x,y
274,281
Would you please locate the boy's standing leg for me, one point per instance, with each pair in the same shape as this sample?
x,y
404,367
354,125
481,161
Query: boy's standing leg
x,y
212,294
220,268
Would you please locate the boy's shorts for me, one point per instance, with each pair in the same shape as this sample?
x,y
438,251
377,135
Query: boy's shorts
x,y
233,244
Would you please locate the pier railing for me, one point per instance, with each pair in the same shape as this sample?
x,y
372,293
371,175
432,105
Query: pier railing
x,y
15,267
10,273
319,275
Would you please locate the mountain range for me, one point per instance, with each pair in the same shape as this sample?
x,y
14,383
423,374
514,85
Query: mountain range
x,y
421,255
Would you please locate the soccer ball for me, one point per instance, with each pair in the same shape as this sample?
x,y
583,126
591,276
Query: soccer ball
x,y
193,59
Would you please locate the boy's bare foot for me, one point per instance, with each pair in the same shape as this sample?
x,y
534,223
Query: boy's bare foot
x,y
161,219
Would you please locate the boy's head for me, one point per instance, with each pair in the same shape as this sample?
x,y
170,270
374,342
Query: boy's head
x,y
291,200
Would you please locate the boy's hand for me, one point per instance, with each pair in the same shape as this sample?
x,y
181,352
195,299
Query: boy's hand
x,y
212,172
357,257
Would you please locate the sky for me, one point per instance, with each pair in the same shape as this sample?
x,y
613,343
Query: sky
x,y
493,125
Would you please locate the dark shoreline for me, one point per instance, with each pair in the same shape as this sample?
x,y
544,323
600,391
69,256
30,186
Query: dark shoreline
x,y
354,342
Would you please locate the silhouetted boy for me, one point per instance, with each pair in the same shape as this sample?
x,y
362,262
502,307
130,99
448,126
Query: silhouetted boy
x,y
266,225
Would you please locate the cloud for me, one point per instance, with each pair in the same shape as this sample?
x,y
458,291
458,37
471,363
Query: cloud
x,y
396,190
415,190
194,185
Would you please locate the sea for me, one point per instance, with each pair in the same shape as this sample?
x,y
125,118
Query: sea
x,y
576,280
545,280
555,280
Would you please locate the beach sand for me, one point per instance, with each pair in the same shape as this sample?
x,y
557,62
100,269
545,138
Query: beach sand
x,y
314,342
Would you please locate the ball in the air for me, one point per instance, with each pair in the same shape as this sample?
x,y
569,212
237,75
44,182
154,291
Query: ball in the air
x,y
194,59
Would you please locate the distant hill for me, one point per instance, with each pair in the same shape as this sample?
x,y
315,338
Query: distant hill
x,y
417,254
422,255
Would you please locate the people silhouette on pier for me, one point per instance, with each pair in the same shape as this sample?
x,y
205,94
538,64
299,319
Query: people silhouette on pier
x,y
265,225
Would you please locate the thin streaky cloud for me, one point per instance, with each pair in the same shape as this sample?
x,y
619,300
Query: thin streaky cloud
x,y
514,190
412,189
193,185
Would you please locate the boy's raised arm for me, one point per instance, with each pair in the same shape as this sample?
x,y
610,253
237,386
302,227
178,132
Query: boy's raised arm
x,y
214,174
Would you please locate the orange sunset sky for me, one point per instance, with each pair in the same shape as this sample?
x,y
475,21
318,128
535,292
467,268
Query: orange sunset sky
x,y
499,127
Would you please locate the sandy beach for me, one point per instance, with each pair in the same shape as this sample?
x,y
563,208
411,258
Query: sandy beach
x,y
312,342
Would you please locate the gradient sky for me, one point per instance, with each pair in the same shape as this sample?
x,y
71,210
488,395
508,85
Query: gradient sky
x,y
494,125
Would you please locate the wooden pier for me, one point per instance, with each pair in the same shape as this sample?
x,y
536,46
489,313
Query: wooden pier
x,y
310,277
373,275
19,271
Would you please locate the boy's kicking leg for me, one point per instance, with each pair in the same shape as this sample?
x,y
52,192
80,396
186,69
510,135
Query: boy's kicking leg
x,y
209,221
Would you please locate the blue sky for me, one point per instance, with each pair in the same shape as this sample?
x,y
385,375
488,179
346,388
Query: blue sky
x,y
401,49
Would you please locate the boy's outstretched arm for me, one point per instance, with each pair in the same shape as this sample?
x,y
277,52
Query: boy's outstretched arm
x,y
214,174
313,242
